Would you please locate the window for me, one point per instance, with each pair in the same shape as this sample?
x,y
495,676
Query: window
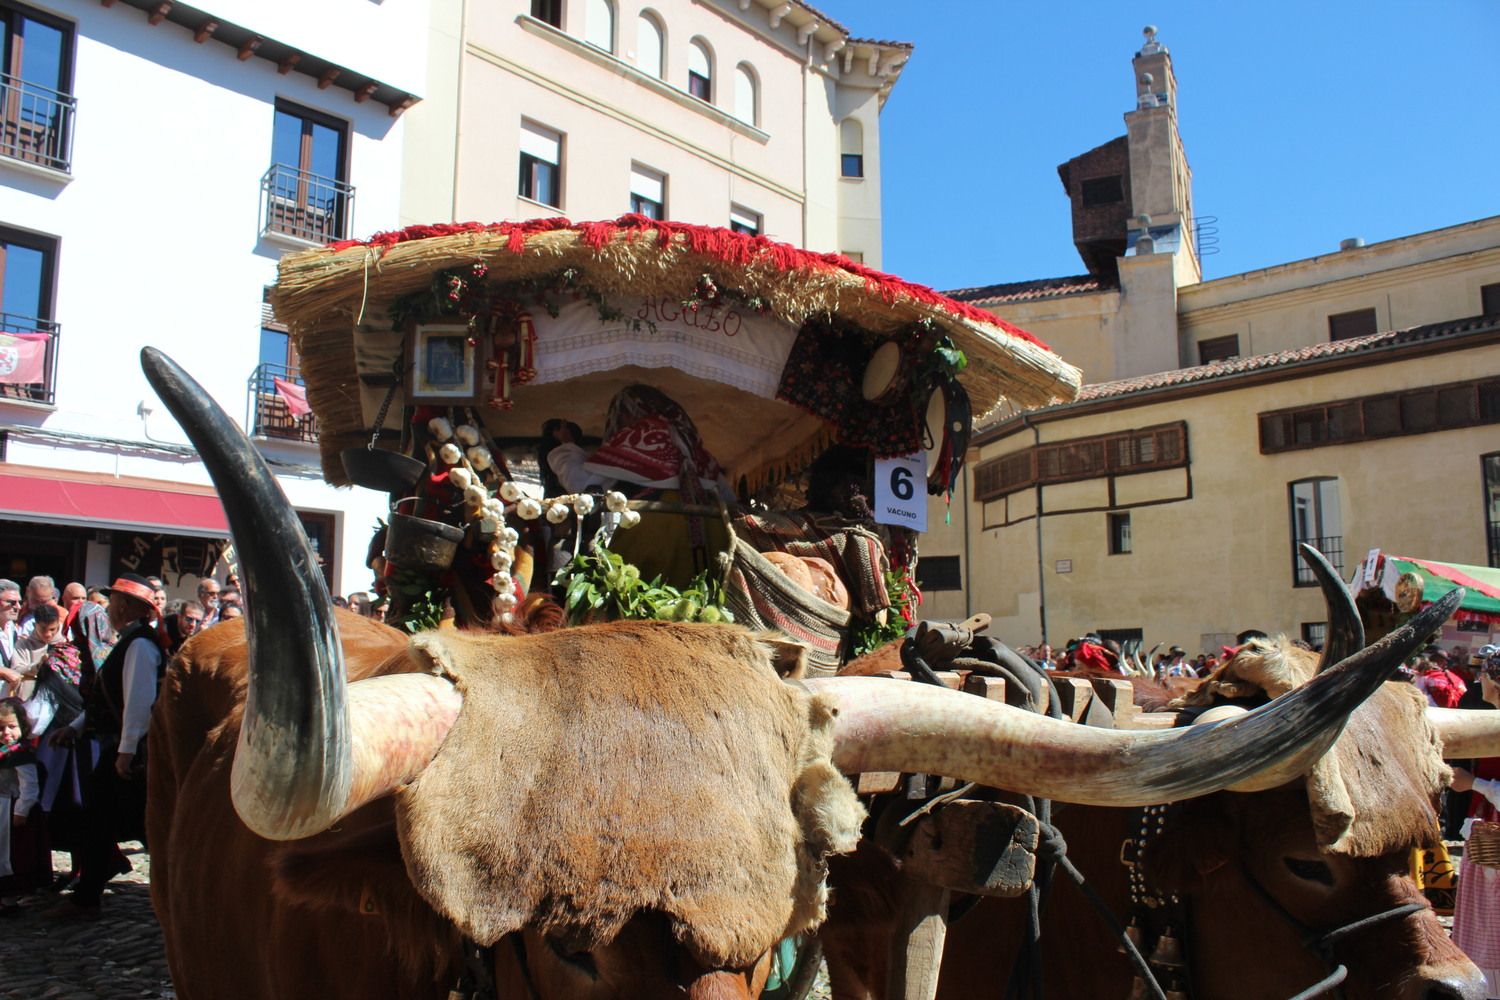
x,y
1218,349
857,256
28,337
746,95
1489,300
649,46
1119,534
1103,191
1120,635
1314,505
700,71
1163,446
742,220
1367,418
1315,634
307,191
541,165
1342,326
648,192
851,148
939,573
548,10
599,25
1491,466
36,122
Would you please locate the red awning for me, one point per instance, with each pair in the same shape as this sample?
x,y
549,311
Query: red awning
x,y
104,501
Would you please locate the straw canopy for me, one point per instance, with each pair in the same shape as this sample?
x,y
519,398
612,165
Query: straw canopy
x,y
337,302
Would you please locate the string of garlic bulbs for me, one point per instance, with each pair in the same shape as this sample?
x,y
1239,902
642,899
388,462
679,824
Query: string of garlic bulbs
x,y
487,511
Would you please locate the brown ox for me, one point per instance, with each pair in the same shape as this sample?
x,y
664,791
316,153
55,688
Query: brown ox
x,y
1329,850
625,810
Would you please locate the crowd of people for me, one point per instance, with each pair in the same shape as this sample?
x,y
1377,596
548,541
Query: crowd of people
x,y
79,673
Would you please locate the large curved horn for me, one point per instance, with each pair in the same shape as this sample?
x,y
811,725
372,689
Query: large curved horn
x,y
887,725
311,748
1466,732
1346,632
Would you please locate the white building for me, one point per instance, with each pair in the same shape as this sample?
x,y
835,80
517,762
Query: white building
x,y
156,159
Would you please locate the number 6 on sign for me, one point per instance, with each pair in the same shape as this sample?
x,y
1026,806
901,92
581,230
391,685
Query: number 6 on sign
x,y
900,491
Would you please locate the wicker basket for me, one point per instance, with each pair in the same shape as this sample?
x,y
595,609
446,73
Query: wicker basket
x,y
1483,845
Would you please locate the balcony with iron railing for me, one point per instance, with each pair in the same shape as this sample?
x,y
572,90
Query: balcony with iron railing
x,y
269,414
1332,548
304,207
36,124
28,359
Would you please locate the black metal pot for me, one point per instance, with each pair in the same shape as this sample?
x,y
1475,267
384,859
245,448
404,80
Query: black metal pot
x,y
381,470
421,545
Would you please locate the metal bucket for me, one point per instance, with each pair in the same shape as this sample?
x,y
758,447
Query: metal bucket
x,y
381,470
421,545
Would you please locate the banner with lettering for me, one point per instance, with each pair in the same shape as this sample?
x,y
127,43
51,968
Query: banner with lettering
x,y
726,343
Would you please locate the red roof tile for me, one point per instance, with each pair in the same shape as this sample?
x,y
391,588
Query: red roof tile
x,y
1028,291
1280,359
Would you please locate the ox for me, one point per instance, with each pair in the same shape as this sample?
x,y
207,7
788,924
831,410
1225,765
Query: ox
x,y
624,810
1256,879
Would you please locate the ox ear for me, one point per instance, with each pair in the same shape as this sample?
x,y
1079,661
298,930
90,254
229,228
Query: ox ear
x,y
1199,839
789,659
431,652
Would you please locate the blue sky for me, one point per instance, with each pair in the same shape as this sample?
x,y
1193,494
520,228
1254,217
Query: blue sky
x,y
1303,123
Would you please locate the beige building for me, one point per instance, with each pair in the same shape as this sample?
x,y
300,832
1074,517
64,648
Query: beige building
x,y
758,115
1349,400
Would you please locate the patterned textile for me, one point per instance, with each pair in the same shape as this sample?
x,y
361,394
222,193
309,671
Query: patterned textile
x,y
1476,918
823,376
856,552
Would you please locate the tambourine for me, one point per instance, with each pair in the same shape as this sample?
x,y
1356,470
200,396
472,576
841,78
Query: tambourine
x,y
884,375
947,424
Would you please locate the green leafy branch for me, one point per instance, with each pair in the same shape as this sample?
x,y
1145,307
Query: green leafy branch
x,y
603,586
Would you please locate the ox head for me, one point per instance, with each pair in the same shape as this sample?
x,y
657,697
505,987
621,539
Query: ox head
x,y
485,745
1298,855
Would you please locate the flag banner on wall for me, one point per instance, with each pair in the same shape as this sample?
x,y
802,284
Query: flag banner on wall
x,y
294,396
23,358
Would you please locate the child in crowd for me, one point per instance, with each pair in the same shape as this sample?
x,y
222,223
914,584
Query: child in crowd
x,y
25,859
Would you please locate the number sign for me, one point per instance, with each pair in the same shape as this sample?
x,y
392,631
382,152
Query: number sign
x,y
901,491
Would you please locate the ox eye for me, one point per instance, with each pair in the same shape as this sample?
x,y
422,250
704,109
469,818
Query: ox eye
x,y
580,961
1309,871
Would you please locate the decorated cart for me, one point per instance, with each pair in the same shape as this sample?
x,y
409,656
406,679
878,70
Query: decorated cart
x,y
765,421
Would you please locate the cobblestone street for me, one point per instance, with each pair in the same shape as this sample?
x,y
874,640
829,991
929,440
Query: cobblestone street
x,y
115,957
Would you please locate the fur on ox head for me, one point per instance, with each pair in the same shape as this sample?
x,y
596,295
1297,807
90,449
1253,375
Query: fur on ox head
x,y
1373,792
599,773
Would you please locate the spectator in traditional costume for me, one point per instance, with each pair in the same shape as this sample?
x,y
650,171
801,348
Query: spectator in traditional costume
x,y
117,713
1476,917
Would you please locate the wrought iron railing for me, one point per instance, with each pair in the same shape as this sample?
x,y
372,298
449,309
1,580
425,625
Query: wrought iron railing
x,y
303,205
36,123
1332,548
1495,544
270,415
28,348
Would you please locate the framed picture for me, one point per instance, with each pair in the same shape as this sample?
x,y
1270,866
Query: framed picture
x,y
445,365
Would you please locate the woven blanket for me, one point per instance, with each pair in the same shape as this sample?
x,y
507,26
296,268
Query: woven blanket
x,y
856,553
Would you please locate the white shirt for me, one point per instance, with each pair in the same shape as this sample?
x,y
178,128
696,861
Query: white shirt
x,y
142,660
8,636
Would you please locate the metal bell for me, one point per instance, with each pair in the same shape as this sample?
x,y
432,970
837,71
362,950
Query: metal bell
x,y
1176,994
1133,933
1168,951
1138,989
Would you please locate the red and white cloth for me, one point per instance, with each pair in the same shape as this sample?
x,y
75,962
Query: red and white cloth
x,y
23,358
1476,914
647,453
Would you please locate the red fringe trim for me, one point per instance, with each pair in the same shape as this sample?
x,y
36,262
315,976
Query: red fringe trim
x,y
707,241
